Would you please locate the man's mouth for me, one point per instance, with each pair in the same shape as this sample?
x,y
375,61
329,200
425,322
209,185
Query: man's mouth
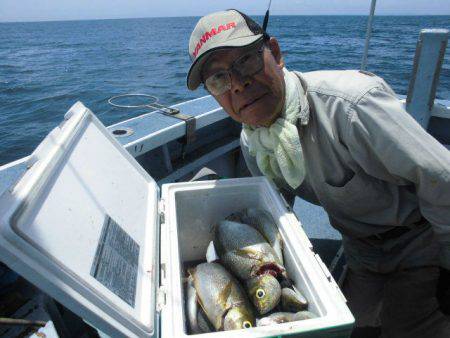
x,y
250,103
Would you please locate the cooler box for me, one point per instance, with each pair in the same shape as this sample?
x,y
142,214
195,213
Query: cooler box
x,y
87,225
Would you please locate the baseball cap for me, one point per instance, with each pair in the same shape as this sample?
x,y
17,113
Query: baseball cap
x,y
217,31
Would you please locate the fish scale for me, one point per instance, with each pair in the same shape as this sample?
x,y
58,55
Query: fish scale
x,y
247,254
262,221
243,249
217,291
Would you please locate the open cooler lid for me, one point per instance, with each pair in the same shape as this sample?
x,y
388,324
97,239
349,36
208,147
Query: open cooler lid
x,y
82,225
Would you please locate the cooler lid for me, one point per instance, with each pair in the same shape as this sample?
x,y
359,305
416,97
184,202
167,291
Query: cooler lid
x,y
82,225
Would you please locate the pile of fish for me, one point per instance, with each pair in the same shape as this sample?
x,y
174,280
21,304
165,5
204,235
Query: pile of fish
x,y
248,283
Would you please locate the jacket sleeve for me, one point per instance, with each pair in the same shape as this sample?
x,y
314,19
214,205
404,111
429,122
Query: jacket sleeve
x,y
385,140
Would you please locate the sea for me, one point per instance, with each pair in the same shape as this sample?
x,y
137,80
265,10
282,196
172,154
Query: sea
x,y
45,67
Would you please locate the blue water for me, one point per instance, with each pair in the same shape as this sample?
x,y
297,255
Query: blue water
x,y
46,67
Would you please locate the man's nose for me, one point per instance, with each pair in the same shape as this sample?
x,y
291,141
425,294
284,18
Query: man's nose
x,y
238,82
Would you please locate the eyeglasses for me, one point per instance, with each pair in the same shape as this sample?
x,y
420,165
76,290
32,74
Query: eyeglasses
x,y
247,65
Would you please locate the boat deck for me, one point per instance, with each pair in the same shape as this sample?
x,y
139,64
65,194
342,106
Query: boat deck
x,y
153,130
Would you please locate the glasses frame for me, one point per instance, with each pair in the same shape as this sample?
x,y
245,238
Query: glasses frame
x,y
233,68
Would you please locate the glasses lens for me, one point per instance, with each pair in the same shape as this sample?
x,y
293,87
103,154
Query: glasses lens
x,y
218,83
250,63
247,65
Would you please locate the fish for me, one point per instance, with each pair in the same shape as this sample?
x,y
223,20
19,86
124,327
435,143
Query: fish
x,y
292,300
192,305
264,291
220,296
197,319
203,322
247,254
262,221
284,317
244,251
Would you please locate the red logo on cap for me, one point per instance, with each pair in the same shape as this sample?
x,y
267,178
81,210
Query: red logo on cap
x,y
210,34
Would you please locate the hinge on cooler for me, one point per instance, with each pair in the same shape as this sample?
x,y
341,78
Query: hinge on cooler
x,y
161,298
161,209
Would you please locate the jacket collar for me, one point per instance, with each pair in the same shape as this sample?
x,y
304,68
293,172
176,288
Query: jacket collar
x,y
304,105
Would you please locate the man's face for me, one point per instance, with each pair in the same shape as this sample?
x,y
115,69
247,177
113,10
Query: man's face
x,y
256,100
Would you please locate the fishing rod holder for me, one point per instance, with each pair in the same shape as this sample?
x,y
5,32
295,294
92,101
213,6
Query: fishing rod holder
x,y
154,104
189,120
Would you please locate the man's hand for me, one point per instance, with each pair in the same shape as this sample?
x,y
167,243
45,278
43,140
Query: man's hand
x,y
443,291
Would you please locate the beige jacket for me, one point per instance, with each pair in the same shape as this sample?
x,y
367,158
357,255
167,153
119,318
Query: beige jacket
x,y
368,163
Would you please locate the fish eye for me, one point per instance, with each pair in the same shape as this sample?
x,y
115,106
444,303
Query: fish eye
x,y
247,325
260,293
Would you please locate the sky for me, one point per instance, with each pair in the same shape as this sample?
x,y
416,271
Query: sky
x,y
43,10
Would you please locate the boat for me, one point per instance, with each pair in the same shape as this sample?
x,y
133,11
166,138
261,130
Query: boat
x,y
196,140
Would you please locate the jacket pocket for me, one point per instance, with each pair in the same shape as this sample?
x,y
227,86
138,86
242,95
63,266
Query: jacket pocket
x,y
361,198
348,176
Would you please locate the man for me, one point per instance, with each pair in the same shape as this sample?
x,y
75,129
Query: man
x,y
342,140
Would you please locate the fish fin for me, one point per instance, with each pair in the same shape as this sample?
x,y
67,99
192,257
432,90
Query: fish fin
x,y
211,253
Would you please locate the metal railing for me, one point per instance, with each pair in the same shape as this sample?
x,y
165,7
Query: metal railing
x,y
368,34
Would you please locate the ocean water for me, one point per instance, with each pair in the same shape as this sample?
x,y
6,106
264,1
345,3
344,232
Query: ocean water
x,y
45,67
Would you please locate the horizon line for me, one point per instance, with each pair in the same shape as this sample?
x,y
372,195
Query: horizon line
x,y
197,16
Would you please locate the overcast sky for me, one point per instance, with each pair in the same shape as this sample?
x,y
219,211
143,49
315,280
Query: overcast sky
x,y
37,10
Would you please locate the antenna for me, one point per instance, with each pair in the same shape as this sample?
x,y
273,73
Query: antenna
x,y
266,17
368,34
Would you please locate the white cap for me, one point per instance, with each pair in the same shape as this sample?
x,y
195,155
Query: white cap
x,y
219,30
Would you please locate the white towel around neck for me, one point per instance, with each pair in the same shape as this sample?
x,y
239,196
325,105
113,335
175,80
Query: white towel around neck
x,y
277,148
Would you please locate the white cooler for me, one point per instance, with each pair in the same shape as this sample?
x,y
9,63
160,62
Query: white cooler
x,y
86,225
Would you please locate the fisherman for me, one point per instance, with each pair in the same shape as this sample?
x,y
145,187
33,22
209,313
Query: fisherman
x,y
342,140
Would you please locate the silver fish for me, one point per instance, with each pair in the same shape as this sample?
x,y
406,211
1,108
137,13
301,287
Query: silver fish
x,y
284,317
246,253
262,221
203,322
292,300
197,319
192,306
221,298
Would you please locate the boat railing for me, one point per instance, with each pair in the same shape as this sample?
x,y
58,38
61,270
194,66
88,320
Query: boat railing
x,y
150,131
368,34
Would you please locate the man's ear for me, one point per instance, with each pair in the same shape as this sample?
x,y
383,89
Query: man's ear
x,y
276,51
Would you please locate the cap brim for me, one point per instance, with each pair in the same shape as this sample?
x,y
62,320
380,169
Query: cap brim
x,y
194,78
